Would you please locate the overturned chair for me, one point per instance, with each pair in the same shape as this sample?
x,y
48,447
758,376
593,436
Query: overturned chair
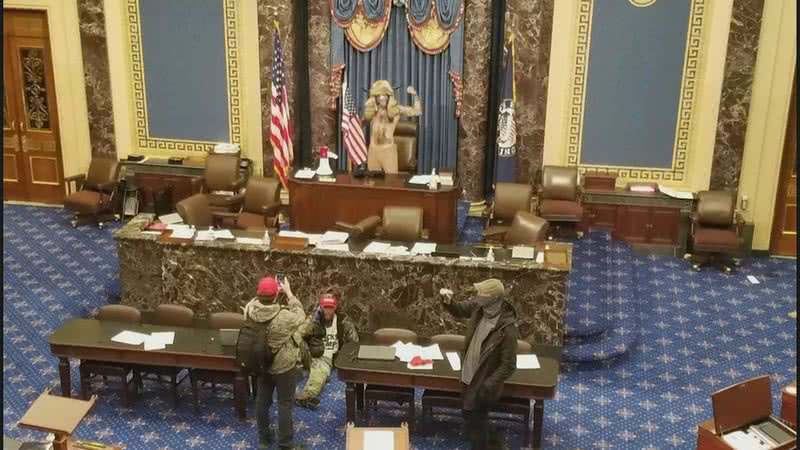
x,y
399,223
716,231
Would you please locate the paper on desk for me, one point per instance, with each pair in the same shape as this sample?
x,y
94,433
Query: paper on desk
x,y
527,362
305,174
376,247
171,218
167,337
423,248
182,233
422,367
252,241
432,352
202,235
313,239
675,193
152,232
420,179
406,352
397,250
129,337
287,233
378,440
223,234
178,226
334,247
522,252
334,237
151,343
446,181
454,360
540,258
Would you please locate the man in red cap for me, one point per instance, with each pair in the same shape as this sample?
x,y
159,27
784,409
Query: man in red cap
x,y
285,315
338,330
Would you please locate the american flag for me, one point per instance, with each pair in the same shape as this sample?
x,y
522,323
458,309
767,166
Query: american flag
x,y
352,134
280,130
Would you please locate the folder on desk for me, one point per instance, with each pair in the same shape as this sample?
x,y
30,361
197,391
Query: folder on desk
x,y
376,352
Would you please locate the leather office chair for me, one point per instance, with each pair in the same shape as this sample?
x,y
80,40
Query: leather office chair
x,y
175,316
216,321
508,199
402,223
432,398
363,230
93,200
196,210
405,137
526,229
90,369
221,174
401,395
260,204
716,230
559,197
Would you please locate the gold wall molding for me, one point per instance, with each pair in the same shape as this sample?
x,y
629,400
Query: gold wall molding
x,y
139,90
642,3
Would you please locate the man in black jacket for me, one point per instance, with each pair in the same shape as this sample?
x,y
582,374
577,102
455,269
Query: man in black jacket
x,y
490,353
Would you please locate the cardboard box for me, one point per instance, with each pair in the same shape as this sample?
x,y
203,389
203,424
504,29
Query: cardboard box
x,y
355,437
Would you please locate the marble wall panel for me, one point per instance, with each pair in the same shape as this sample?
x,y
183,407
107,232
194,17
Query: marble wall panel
x,y
323,119
737,85
97,77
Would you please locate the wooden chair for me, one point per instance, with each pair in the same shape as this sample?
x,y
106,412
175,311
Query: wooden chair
x,y
401,395
508,199
402,223
127,373
216,321
176,316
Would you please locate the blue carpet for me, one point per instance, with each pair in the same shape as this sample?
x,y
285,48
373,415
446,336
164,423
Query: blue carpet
x,y
695,333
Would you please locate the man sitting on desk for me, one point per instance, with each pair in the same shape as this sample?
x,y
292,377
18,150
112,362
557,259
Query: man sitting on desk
x,y
490,356
337,330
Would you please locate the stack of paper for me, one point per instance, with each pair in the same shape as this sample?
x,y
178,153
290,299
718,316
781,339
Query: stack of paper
x,y
202,235
171,218
376,247
152,341
446,180
477,209
182,232
454,360
334,247
420,179
130,337
223,234
406,352
540,258
334,237
527,362
522,252
423,248
305,174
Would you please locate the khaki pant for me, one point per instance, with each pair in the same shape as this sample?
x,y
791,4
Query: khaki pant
x,y
317,377
382,157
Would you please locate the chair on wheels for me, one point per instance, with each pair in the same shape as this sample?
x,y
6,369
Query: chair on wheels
x,y
432,398
716,231
93,199
196,210
401,395
127,373
258,206
526,229
405,137
216,321
402,223
176,316
221,181
560,199
508,199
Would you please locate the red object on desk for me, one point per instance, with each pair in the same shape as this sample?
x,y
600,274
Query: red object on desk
x,y
418,361
156,226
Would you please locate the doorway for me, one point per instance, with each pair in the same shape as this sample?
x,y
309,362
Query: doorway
x,y
32,163
783,241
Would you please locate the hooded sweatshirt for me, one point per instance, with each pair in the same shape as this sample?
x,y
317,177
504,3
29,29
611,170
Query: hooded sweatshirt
x,y
283,338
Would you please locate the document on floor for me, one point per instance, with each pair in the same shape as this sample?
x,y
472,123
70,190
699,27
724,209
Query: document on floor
x,y
752,279
527,362
129,337
378,440
454,360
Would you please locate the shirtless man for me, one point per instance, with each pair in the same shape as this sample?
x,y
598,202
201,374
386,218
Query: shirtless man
x,y
383,113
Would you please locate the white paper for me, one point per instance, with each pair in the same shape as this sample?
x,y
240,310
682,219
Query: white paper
x,y
202,235
446,181
167,337
522,252
376,247
334,237
183,233
432,352
129,337
178,226
252,241
397,250
423,248
171,218
675,193
287,233
454,360
407,352
305,174
422,367
153,232
752,279
540,258
378,440
527,362
223,234
151,343
334,247
420,179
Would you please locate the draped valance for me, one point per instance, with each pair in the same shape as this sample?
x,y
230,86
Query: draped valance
x,y
430,22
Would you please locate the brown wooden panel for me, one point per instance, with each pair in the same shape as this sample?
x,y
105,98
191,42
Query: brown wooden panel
x,y
635,223
790,225
25,23
664,226
10,172
181,185
44,170
783,238
605,216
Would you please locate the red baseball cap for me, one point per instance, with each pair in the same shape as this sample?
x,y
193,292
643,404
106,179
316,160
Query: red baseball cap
x,y
328,302
268,286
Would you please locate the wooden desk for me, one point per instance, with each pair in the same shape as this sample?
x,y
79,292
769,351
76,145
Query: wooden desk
x,y
156,175
193,348
789,404
535,384
316,206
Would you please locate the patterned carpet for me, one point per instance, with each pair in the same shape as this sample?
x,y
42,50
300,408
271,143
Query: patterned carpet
x,y
685,335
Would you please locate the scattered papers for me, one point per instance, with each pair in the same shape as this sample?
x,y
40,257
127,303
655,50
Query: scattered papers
x,y
251,241
378,440
334,237
675,193
129,337
313,239
223,234
454,360
527,362
423,248
376,247
522,252
752,279
334,247
305,174
407,352
202,235
182,233
171,218
420,179
167,337
150,343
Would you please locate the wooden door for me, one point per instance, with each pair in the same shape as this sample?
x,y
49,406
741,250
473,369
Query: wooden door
x,y
635,223
33,141
783,240
664,226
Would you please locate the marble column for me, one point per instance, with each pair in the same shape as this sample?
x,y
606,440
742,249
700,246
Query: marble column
x,y
737,85
323,119
94,48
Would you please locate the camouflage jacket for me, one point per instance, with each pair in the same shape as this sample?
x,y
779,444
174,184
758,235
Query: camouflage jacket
x,y
283,338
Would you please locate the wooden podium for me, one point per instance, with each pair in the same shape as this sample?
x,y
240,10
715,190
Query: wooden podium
x,y
60,416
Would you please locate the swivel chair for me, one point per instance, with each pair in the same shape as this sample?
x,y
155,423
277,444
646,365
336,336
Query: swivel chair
x,y
93,201
716,231
559,198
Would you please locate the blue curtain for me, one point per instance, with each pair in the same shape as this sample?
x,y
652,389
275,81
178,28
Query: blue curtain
x,y
398,60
